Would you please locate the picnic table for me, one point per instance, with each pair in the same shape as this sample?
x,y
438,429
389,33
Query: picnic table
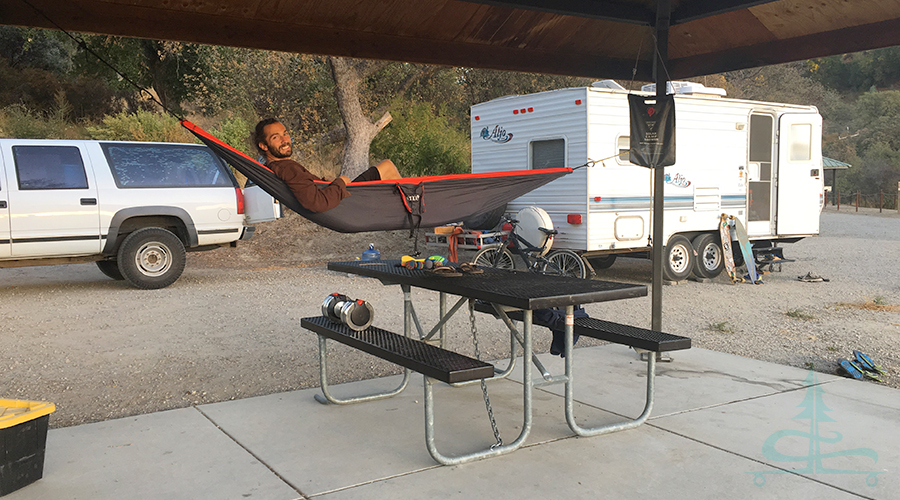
x,y
509,296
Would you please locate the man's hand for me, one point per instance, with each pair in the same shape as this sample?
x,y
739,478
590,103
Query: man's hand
x,y
345,179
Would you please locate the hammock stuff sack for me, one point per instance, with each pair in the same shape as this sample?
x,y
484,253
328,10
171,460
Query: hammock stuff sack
x,y
395,204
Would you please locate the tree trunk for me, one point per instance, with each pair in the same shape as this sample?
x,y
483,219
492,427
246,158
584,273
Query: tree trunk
x,y
360,130
156,68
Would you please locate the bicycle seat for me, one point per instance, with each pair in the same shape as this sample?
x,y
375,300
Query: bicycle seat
x,y
535,227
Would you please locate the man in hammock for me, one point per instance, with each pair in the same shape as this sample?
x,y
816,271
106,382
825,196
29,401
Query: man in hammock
x,y
273,141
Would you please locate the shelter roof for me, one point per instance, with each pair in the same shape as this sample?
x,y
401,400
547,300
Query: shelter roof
x,y
593,38
832,164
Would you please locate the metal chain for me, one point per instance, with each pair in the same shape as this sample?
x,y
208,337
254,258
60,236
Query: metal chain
x,y
484,391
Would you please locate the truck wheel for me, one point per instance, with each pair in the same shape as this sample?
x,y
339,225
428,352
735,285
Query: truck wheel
x,y
151,258
111,269
709,262
498,257
679,255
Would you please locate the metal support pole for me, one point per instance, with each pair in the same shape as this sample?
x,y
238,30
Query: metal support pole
x,y
663,14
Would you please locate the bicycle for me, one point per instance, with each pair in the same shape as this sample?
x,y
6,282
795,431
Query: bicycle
x,y
537,259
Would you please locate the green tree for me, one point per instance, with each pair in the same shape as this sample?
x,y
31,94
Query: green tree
x,y
787,83
170,70
421,141
141,125
36,48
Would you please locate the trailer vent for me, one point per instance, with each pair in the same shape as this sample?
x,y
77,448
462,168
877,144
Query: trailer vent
x,y
707,199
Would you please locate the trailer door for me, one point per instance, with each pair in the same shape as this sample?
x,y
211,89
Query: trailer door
x,y
799,174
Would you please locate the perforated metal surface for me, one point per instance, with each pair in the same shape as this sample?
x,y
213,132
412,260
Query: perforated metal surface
x,y
418,356
618,333
519,289
631,335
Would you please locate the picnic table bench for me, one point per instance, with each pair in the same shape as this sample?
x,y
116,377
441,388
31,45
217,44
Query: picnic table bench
x,y
617,333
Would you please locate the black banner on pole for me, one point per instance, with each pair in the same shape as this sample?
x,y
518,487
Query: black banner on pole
x,y
652,130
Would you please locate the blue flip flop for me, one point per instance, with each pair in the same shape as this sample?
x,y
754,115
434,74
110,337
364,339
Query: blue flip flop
x,y
866,362
851,369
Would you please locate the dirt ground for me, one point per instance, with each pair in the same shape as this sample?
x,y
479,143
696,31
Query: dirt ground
x,y
229,327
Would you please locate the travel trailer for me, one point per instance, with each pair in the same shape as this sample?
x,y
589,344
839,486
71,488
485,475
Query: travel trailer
x,y
757,161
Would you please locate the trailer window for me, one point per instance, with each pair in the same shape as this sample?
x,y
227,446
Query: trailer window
x,y
801,142
548,154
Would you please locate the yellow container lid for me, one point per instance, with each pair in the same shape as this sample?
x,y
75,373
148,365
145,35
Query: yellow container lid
x,y
14,412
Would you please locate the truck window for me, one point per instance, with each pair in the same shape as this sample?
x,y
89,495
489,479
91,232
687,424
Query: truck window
x,y
49,167
165,165
548,153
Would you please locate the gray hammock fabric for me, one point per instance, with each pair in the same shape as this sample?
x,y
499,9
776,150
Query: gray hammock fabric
x,y
406,203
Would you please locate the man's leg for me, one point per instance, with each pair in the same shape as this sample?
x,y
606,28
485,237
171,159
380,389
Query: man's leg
x,y
388,170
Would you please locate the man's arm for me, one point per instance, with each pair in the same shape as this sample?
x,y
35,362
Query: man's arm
x,y
302,184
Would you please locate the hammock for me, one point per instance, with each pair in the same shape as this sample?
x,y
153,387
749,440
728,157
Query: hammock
x,y
406,203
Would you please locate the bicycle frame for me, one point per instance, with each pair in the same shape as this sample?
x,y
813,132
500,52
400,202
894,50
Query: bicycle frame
x,y
530,253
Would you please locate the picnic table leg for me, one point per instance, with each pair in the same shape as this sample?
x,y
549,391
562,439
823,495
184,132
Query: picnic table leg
x,y
570,390
495,450
329,398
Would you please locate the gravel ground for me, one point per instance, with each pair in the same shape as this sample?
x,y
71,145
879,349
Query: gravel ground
x,y
229,329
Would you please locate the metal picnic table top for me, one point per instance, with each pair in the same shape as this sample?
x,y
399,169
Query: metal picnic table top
x,y
518,289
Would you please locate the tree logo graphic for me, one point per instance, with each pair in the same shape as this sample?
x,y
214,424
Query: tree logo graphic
x,y
814,410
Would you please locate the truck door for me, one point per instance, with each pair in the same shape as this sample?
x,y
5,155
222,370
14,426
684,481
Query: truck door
x,y
760,199
53,200
4,215
799,173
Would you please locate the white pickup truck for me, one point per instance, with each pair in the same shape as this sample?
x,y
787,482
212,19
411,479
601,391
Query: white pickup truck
x,y
134,208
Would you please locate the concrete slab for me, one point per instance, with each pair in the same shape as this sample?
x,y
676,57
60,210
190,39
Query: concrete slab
x,y
639,463
724,427
176,454
613,378
319,448
842,441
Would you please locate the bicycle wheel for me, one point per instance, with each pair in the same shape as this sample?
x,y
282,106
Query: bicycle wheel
x,y
565,263
498,257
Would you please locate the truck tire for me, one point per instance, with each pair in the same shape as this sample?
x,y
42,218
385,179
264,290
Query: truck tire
x,y
709,262
111,269
679,258
498,257
151,258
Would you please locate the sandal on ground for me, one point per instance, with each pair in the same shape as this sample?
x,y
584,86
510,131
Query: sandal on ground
x,y
811,278
850,368
470,268
445,271
867,364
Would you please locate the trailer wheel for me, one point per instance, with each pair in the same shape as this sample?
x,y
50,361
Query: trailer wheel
x,y
709,262
679,255
602,261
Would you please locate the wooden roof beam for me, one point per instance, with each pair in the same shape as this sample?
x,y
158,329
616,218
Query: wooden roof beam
x,y
853,39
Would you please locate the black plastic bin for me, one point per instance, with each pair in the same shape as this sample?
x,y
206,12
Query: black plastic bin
x,y
23,439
